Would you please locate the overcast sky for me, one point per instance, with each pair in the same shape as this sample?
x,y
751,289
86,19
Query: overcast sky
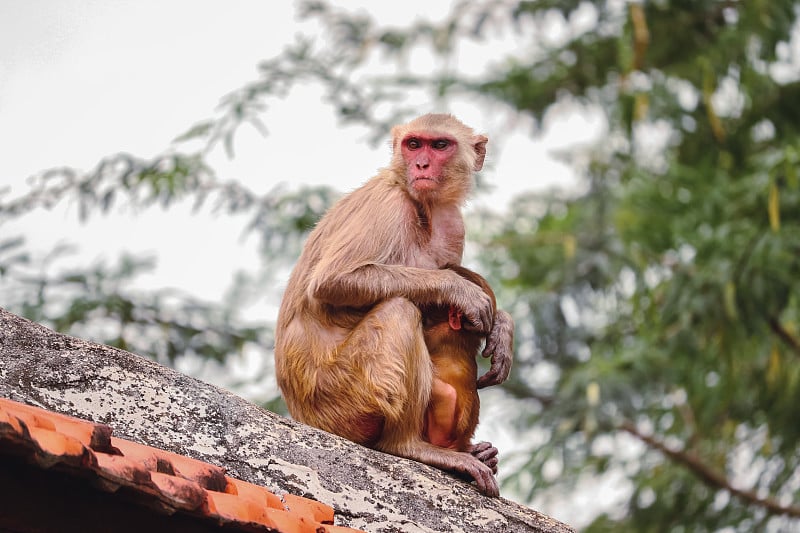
x,y
83,79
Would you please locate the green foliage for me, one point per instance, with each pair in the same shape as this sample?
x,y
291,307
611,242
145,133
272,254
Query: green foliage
x,y
685,271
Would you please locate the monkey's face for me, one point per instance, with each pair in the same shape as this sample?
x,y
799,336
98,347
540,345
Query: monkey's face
x,y
426,157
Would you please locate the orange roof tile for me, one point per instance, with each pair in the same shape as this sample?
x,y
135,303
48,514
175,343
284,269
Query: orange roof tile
x,y
163,480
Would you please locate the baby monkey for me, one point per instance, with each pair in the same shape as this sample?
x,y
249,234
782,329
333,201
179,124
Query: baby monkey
x,y
453,344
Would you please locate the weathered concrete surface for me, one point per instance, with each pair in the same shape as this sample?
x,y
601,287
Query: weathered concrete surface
x,y
149,403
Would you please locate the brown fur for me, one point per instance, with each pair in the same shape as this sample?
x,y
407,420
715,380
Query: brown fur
x,y
350,354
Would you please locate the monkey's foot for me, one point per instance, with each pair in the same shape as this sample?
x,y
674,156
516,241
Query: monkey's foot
x,y
479,472
485,453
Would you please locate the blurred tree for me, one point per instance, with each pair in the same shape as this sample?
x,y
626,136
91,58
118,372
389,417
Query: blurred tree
x,y
657,304
99,301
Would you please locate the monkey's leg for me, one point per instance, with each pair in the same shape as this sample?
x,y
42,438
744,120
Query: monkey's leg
x,y
441,416
369,380
387,353
388,349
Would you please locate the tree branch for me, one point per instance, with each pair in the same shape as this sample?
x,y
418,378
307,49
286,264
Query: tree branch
x,y
709,476
788,339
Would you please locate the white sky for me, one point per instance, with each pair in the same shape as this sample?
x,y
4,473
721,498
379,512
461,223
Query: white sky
x,y
83,79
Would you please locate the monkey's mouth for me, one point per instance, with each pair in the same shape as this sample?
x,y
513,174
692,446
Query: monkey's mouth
x,y
425,182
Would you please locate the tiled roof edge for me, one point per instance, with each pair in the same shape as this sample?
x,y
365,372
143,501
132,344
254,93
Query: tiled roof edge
x,y
167,481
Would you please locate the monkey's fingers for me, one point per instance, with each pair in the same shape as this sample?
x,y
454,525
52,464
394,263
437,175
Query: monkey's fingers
x,y
485,453
479,319
493,344
499,346
477,308
498,371
484,479
483,450
476,326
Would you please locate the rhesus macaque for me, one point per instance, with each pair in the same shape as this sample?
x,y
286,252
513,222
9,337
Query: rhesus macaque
x,y
350,353
454,407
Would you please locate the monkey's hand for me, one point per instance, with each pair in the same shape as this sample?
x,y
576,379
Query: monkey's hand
x,y
500,347
485,453
475,305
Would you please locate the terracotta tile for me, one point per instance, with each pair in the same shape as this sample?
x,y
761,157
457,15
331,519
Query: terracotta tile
x,y
311,509
287,522
253,492
56,444
9,422
143,454
184,494
96,436
122,470
207,475
162,479
233,508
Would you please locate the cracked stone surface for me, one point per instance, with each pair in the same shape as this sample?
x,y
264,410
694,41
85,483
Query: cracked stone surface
x,y
157,406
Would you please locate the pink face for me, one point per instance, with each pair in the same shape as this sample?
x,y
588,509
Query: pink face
x,y
426,157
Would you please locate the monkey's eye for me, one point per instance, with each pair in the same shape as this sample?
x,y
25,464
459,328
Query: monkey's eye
x,y
440,144
413,144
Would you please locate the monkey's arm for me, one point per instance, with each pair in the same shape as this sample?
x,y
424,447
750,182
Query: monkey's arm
x,y
499,346
372,283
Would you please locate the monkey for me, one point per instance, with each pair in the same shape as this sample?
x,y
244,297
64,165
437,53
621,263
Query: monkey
x,y
453,411
350,352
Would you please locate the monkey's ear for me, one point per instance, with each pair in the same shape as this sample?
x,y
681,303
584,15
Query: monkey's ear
x,y
479,145
396,133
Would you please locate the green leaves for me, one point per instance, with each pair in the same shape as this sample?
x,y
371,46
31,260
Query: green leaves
x,y
680,281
